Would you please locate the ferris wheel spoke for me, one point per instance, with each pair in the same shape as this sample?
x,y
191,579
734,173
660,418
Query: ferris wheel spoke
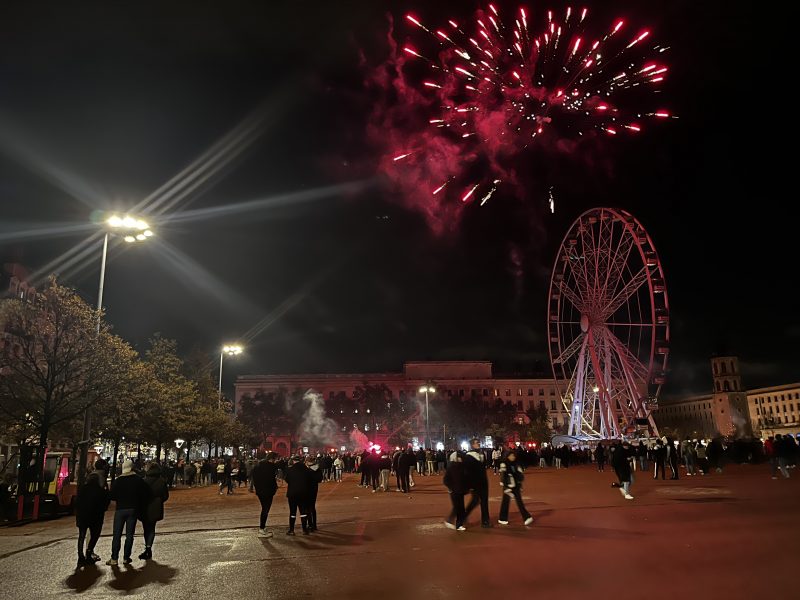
x,y
617,263
570,350
571,295
629,360
627,291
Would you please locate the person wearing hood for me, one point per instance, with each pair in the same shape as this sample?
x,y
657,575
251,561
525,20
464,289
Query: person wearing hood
x,y
154,511
315,478
131,494
298,487
90,510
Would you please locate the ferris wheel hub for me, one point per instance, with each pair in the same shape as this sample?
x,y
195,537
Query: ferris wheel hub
x,y
584,323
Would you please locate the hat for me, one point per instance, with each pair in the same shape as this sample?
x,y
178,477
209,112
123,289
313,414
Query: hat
x,y
127,467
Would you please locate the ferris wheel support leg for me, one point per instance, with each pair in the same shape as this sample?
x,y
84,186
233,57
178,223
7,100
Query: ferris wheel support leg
x,y
608,414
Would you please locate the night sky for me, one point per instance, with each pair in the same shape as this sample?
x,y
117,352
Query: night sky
x,y
102,103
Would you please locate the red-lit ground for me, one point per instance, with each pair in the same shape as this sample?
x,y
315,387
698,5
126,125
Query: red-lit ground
x,y
733,535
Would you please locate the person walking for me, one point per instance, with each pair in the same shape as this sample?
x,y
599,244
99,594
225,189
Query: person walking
x,y
385,465
90,511
478,482
298,485
497,456
455,479
264,479
130,493
404,464
154,512
622,467
511,479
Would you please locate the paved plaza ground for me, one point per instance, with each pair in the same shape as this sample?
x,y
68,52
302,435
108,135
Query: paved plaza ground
x,y
729,535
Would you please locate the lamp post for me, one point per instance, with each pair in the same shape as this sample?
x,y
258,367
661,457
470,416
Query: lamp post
x,y
179,445
133,230
425,389
230,350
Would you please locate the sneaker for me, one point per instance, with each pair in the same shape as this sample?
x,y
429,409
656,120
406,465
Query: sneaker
x,y
774,477
502,522
264,533
127,561
529,521
290,532
462,528
145,555
93,558
111,562
628,497
622,491
449,525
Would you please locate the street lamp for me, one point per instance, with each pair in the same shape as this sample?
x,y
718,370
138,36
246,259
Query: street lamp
x,y
425,389
133,230
230,350
179,444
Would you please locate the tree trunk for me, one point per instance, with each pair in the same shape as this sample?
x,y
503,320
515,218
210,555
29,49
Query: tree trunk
x,y
158,451
114,461
188,448
209,448
138,449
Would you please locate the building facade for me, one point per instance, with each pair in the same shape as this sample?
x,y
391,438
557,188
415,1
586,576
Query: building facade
x,y
462,379
732,410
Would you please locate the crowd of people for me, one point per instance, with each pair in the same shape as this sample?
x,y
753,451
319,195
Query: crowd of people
x,y
140,490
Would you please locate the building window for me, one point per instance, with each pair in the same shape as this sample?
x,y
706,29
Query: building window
x,y
552,391
508,392
541,404
530,391
541,391
718,386
519,404
552,404
519,392
461,393
715,369
723,369
485,391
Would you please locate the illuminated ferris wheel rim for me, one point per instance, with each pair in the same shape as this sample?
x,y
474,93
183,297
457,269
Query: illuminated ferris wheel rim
x,y
590,351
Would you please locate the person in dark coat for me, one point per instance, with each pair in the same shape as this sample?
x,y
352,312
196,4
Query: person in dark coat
x,y
298,487
315,478
511,479
620,460
264,478
600,457
455,479
90,510
154,511
131,495
478,482
405,462
101,468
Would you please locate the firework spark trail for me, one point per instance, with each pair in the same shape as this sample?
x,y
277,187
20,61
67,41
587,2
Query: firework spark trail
x,y
505,86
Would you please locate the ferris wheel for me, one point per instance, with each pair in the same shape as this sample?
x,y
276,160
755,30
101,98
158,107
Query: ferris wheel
x,y
608,325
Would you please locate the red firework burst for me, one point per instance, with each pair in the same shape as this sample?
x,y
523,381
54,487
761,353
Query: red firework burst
x,y
503,86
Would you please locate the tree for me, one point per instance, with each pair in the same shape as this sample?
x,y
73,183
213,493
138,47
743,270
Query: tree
x,y
170,409
401,436
538,427
56,364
